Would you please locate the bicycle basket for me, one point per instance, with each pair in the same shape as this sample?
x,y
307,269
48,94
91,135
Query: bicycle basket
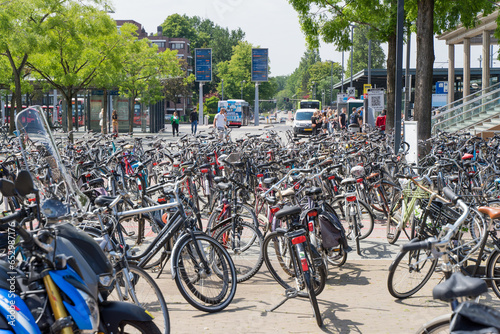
x,y
415,193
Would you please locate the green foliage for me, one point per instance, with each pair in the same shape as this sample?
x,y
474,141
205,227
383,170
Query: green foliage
x,y
237,70
360,51
210,105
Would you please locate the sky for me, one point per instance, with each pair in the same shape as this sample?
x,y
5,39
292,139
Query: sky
x,y
271,24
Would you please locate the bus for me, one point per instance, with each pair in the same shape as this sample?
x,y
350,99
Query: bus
x,y
309,104
238,112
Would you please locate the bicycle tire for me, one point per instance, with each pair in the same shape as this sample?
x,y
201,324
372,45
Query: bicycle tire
x,y
247,258
357,235
439,325
392,232
493,271
222,273
151,299
399,264
312,298
242,211
283,273
144,327
367,217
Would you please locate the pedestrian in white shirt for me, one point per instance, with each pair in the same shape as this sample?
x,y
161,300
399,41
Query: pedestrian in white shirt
x,y
220,122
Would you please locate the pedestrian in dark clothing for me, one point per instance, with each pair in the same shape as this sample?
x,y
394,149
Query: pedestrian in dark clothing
x,y
194,121
175,124
342,119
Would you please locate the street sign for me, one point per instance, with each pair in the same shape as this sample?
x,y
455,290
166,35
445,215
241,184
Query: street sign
x,y
342,97
366,87
351,92
439,100
203,64
442,87
259,64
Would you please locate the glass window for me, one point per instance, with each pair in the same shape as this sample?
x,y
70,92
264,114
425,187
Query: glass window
x,y
304,116
176,46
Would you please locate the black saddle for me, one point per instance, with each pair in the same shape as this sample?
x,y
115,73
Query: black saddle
x,y
288,211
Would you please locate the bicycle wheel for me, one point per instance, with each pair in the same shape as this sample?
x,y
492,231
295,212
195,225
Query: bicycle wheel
x,y
279,261
409,272
393,219
312,297
365,217
244,245
242,212
142,327
209,289
493,271
141,289
439,325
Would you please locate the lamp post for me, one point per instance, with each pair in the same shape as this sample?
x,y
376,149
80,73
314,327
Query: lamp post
x,y
242,82
352,49
222,97
331,83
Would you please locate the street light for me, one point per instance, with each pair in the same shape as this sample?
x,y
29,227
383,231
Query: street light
x,y
331,83
352,48
242,82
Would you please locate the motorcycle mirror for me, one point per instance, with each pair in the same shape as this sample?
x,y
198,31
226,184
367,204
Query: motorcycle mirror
x,y
24,183
7,187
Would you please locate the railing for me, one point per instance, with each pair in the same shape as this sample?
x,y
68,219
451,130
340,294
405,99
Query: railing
x,y
467,108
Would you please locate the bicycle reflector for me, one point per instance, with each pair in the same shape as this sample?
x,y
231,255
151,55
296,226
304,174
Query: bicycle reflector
x,y
310,225
350,198
331,177
162,200
204,170
312,213
299,240
260,175
305,266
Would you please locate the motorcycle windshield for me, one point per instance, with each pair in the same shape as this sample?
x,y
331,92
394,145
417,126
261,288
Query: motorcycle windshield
x,y
42,157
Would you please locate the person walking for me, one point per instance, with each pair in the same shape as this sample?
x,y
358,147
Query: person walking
x,y
101,120
354,121
380,122
175,124
326,121
220,122
194,121
114,122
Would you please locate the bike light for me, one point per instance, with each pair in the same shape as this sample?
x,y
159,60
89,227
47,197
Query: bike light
x,y
335,188
88,175
310,225
162,200
305,266
332,177
296,186
221,167
105,280
312,213
360,180
299,240
350,198
204,170
176,165
260,175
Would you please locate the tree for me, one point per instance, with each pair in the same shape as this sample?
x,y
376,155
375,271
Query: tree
x,y
330,21
78,42
178,84
142,67
436,16
360,51
237,70
177,25
20,30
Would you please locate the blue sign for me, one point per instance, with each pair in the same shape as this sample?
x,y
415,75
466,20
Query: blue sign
x,y
259,64
442,87
203,64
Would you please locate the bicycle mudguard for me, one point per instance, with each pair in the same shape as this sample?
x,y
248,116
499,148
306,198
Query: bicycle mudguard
x,y
112,313
173,266
392,263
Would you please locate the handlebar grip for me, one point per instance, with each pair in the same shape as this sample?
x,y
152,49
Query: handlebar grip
x,y
12,217
425,244
450,195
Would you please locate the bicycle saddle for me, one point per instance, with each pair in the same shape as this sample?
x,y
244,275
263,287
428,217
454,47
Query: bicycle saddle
x,y
223,186
457,286
218,179
104,200
270,180
494,213
288,211
313,191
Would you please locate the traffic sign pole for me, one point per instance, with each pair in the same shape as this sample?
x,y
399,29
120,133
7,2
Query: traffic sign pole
x,y
200,111
256,108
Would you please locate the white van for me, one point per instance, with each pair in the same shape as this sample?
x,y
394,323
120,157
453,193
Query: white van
x,y
302,121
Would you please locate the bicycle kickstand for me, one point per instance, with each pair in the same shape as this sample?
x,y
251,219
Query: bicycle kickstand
x,y
289,294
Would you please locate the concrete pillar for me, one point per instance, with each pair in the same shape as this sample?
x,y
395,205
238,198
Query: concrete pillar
x,y
451,73
485,78
466,80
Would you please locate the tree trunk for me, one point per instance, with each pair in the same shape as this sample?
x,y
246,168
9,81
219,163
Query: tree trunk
x,y
19,101
105,112
69,114
425,63
131,114
391,80
12,125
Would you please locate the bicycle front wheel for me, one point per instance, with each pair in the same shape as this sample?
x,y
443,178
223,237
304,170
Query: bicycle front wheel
x,y
244,244
312,298
439,325
409,272
204,273
141,289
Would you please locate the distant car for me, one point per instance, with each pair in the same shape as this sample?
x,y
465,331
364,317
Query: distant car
x,y
262,118
302,121
283,120
272,118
